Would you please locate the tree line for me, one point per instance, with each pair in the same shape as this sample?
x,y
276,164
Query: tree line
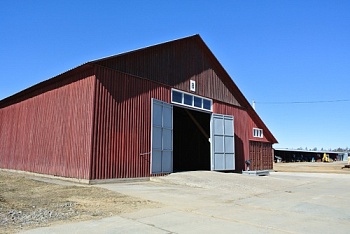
x,y
346,149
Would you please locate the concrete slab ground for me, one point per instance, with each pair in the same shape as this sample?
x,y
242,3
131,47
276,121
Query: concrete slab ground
x,y
205,202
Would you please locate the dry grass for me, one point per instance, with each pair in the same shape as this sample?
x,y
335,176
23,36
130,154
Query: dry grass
x,y
26,203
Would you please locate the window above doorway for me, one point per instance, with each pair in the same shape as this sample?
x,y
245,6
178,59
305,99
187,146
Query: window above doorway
x,y
190,100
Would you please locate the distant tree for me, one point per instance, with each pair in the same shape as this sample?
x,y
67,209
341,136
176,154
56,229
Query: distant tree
x,y
300,148
339,149
314,149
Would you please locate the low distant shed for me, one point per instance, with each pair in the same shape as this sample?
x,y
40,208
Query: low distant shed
x,y
294,155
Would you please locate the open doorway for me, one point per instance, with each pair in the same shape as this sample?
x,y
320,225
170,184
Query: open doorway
x,y
191,146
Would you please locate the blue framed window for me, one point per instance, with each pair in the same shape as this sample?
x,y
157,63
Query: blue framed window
x,y
190,100
198,102
176,96
206,104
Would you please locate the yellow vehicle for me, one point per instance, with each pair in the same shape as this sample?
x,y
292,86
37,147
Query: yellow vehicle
x,y
325,158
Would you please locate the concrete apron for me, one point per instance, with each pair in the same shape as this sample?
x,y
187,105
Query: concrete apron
x,y
203,202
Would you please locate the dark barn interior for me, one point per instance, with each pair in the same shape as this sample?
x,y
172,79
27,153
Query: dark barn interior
x,y
191,140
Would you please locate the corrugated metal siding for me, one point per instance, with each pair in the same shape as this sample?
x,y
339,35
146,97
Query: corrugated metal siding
x,y
251,124
174,64
50,132
122,120
99,128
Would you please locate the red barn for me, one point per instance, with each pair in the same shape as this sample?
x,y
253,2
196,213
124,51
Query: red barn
x,y
161,109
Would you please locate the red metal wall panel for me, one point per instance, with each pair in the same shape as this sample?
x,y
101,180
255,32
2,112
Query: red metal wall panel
x,y
50,132
174,64
177,62
250,126
122,124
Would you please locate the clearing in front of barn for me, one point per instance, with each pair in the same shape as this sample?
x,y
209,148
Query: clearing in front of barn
x,y
26,202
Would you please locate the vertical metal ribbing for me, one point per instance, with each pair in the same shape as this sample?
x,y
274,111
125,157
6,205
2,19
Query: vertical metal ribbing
x,y
123,135
49,132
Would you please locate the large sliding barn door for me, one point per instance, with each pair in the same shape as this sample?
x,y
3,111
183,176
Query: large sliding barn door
x,y
222,143
162,137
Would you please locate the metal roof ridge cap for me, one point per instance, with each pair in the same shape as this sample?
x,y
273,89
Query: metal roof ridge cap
x,y
143,48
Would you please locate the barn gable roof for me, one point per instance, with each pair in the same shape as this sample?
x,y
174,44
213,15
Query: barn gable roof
x,y
184,58
173,64
146,63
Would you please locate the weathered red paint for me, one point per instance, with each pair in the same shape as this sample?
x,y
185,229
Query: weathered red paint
x,y
50,133
121,137
174,64
94,121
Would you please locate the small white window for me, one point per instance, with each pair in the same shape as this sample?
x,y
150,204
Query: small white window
x,y
257,132
193,85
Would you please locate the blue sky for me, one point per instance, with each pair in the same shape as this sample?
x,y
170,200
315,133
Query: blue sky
x,y
275,51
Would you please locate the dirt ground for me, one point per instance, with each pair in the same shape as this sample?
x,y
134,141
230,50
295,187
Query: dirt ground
x,y
26,202
315,167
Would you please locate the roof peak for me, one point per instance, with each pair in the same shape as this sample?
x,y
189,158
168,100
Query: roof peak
x,y
146,47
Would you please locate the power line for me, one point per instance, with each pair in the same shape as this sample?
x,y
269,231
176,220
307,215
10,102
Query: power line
x,y
304,102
